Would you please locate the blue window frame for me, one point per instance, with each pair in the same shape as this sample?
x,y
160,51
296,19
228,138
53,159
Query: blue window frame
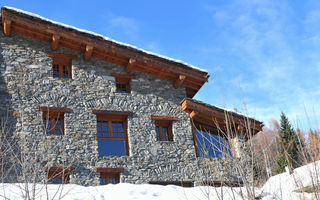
x,y
112,135
210,144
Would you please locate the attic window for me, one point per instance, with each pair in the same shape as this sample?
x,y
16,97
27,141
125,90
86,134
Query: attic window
x,y
61,65
123,82
53,120
164,127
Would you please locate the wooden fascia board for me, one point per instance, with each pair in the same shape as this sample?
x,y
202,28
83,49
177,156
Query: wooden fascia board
x,y
107,45
62,55
208,113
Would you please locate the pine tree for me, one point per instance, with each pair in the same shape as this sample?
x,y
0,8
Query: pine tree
x,y
289,146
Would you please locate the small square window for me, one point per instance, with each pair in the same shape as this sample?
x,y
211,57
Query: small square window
x,y
53,120
122,85
163,127
61,65
109,175
123,82
58,175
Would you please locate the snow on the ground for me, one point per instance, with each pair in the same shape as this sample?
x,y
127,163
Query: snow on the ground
x,y
279,187
122,191
282,186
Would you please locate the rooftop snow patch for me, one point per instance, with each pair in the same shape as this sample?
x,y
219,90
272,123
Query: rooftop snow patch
x,y
99,36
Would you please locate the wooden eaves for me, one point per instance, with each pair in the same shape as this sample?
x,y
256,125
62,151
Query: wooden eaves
x,y
91,45
214,116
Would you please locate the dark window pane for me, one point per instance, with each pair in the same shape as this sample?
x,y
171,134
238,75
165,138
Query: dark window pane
x,y
103,181
56,181
55,71
111,147
117,129
121,88
65,71
47,126
158,133
165,133
57,127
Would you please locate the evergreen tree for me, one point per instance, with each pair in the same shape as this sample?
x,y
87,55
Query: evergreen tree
x,y
289,146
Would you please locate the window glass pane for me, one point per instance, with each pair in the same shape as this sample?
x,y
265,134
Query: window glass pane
x,y
47,126
103,181
211,145
121,88
111,147
57,127
55,71
158,133
57,180
165,133
117,129
65,71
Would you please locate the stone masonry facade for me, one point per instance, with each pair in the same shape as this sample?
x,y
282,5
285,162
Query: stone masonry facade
x,y
26,83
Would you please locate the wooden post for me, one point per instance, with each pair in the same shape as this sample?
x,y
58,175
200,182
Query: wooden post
x,y
88,52
130,65
55,42
179,81
7,27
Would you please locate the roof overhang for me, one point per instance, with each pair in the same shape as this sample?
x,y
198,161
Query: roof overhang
x,y
93,45
218,117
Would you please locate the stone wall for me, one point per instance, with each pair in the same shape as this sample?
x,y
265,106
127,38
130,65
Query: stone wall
x,y
27,83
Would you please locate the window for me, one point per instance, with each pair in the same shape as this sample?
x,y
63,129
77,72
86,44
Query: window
x,y
62,65
123,82
112,133
53,120
58,175
164,127
109,175
209,143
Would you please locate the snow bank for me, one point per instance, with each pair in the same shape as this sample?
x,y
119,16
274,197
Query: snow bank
x,y
282,186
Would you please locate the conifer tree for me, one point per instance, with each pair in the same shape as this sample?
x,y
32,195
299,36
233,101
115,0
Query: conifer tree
x,y
289,146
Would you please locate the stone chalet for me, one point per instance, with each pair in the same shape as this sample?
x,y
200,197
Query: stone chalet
x,y
89,110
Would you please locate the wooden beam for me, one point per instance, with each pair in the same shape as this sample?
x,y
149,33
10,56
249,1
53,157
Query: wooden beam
x,y
130,65
88,52
179,81
55,42
193,114
123,75
7,27
165,118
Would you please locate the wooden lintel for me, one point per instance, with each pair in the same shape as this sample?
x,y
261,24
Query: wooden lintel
x,y
179,81
130,65
165,118
88,52
7,27
55,42
193,114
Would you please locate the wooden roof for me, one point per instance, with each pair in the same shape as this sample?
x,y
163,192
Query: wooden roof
x,y
93,45
224,119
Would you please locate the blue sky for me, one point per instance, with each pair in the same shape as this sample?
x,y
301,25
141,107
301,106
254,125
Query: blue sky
x,y
263,56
